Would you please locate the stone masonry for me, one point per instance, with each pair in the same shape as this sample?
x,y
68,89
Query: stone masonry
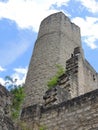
x,y
5,103
80,113
56,40
67,87
73,103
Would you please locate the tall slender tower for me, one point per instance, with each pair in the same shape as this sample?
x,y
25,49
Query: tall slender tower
x,y
56,40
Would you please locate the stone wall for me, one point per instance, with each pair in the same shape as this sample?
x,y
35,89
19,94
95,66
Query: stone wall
x,y
80,113
5,113
63,107
91,77
72,104
57,38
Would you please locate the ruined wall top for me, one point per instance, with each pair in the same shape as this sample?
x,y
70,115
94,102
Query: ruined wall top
x,y
58,22
56,40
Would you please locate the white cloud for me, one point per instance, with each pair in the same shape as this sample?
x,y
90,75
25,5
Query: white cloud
x,y
89,30
2,69
91,5
20,75
21,70
91,42
29,13
2,81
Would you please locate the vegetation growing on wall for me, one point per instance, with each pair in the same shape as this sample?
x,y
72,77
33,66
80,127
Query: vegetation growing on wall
x,y
54,80
42,128
18,95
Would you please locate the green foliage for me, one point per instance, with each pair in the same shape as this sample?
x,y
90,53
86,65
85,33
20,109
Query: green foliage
x,y
10,82
42,128
18,97
9,78
54,80
60,70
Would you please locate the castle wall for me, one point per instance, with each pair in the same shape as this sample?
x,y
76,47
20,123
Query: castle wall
x,y
72,104
81,77
56,41
91,77
80,113
5,113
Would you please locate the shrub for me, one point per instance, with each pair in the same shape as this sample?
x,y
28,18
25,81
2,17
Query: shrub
x,y
42,128
54,80
18,97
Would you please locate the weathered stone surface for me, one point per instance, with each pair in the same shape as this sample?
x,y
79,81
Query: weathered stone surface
x,y
80,113
59,42
6,123
5,103
57,38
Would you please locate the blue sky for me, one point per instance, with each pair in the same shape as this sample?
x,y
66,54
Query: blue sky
x,y
19,24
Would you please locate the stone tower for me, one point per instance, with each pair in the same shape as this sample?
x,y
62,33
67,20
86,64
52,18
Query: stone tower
x,y
56,40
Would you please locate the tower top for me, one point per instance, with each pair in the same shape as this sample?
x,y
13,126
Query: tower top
x,y
56,40
57,22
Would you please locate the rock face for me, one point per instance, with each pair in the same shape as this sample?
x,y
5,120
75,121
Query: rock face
x,y
5,102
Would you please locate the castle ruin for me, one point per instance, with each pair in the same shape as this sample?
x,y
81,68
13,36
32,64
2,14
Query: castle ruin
x,y
5,113
72,104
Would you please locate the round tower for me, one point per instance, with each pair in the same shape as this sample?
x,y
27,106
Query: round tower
x,y
56,40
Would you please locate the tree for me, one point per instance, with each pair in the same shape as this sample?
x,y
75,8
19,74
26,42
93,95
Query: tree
x,y
18,96
10,83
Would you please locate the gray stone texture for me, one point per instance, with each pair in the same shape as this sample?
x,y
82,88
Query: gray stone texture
x,y
56,41
80,113
5,113
73,103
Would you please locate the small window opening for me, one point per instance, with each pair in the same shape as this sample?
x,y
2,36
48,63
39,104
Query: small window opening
x,y
94,77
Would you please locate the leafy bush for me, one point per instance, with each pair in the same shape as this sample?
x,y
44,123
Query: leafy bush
x,y
54,80
18,97
42,128
60,70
